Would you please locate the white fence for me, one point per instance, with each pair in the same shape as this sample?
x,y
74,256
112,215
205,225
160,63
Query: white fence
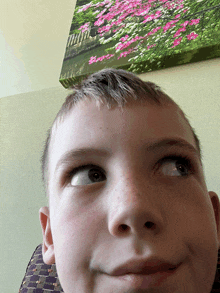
x,y
78,38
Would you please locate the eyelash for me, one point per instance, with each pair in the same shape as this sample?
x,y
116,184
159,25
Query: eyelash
x,y
182,159
80,168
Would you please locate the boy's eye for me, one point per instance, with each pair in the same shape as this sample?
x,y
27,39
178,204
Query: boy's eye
x,y
175,166
170,166
85,175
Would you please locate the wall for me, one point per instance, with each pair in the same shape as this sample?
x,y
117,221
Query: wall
x,y
25,119
33,37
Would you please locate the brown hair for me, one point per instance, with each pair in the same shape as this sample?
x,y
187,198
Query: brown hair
x,y
111,87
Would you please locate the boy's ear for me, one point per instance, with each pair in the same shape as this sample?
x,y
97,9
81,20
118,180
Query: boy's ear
x,y
47,247
216,207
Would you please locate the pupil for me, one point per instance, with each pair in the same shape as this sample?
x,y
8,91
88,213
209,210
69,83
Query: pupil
x,y
94,175
182,169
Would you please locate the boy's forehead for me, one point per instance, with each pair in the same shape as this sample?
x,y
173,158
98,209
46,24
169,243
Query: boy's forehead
x,y
90,110
88,124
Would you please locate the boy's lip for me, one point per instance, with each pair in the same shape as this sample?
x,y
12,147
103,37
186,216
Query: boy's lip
x,y
143,267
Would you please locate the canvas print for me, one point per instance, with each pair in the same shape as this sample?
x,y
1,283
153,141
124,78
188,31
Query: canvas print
x,y
139,35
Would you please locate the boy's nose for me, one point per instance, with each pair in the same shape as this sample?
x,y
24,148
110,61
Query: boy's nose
x,y
134,210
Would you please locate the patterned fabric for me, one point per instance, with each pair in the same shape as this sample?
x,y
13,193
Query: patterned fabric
x,y
42,278
39,277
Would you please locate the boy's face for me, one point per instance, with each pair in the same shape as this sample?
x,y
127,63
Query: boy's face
x,y
138,203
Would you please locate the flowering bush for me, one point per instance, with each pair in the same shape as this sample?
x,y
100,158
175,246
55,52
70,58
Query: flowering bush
x,y
136,27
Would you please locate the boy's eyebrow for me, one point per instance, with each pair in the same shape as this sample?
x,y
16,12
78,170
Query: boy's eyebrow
x,y
170,142
102,152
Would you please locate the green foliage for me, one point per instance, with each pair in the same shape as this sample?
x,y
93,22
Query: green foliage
x,y
83,17
156,47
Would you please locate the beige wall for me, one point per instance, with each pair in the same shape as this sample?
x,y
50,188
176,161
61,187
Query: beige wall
x,y
33,36
25,119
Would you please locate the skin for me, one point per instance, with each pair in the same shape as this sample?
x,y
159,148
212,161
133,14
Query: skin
x,y
92,227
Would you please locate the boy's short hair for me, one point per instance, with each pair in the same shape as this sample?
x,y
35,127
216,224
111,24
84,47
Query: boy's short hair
x,y
111,87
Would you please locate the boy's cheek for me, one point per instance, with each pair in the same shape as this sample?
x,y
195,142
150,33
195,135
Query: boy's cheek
x,y
73,250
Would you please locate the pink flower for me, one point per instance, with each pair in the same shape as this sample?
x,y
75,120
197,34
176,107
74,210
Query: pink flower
x,y
157,14
100,59
148,18
102,3
120,47
109,56
156,29
125,45
152,16
100,14
142,12
109,16
194,21
168,5
179,7
168,25
84,8
192,36
84,27
148,47
95,12
124,54
178,31
99,22
125,38
185,23
104,28
176,42
177,16
92,59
